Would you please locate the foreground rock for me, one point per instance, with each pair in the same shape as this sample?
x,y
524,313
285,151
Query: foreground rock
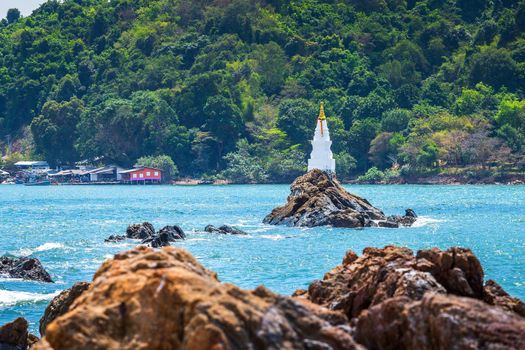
x,y
224,230
61,303
164,299
381,274
493,294
439,322
15,336
317,199
25,268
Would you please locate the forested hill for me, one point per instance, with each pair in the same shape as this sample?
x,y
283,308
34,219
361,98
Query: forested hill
x,y
233,86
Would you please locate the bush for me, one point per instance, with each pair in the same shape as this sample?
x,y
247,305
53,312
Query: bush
x,y
373,175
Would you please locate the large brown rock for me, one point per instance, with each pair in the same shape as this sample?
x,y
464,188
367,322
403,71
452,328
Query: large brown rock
x,y
380,274
165,299
15,336
61,303
457,269
439,322
317,199
377,275
494,294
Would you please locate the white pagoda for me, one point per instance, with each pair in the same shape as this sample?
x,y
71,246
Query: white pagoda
x,y
321,157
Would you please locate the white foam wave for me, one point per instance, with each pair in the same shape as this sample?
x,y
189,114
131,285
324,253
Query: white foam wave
x,y
273,237
198,239
425,221
9,298
41,248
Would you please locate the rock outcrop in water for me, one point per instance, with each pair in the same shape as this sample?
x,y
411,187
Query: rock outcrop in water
x,y
25,268
224,230
140,231
15,336
146,233
317,199
61,303
385,299
165,299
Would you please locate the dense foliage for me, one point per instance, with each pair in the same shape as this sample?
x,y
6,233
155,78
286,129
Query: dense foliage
x,y
232,87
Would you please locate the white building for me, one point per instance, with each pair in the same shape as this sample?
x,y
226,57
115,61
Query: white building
x,y
32,165
321,157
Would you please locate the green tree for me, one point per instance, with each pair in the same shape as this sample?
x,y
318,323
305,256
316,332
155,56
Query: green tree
x,y
345,165
297,118
55,130
495,67
395,120
242,166
13,15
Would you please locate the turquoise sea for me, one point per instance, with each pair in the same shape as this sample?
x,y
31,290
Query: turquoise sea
x,y
65,227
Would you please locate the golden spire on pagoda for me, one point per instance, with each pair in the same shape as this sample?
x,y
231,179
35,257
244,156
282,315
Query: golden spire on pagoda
x,y
321,112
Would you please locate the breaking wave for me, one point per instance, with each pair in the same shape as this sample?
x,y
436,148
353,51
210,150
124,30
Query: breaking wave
x,y
425,221
41,248
10,298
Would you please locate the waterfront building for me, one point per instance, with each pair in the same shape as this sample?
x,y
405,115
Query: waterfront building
x,y
321,157
142,175
34,165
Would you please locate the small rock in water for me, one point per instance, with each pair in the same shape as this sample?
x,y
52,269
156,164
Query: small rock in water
x,y
140,231
224,230
25,268
115,238
317,199
174,232
61,303
165,236
15,336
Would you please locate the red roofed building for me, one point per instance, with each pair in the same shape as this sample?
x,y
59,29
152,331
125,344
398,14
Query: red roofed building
x,y
142,175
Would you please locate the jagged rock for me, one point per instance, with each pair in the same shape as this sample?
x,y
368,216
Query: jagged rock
x,y
25,268
457,269
164,299
317,199
439,321
224,230
14,335
115,239
140,231
494,294
377,275
380,274
61,303
158,241
164,237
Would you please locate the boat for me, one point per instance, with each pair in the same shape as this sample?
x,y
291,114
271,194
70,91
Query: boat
x,y
38,183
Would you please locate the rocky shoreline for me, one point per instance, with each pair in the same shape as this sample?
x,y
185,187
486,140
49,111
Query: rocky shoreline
x,y
387,298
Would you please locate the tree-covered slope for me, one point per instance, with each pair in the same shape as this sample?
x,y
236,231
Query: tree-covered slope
x,y
234,86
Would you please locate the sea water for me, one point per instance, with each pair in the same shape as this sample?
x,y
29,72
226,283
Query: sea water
x,y
65,227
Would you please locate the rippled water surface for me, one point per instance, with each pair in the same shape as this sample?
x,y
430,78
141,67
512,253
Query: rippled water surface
x,y
65,227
